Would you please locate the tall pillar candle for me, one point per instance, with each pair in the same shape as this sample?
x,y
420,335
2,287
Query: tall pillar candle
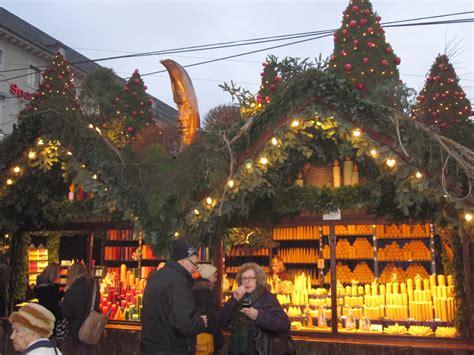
x,y
355,175
347,171
336,174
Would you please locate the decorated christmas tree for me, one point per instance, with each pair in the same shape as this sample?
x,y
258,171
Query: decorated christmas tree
x,y
134,105
362,55
443,103
57,90
271,81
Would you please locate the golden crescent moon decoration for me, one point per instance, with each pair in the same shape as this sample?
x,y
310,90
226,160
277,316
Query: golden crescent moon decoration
x,y
185,97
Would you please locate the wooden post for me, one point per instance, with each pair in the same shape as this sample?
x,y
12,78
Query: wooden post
x,y
218,253
466,259
90,248
332,246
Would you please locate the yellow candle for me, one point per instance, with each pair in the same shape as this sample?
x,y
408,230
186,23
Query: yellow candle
x,y
347,171
123,272
355,175
450,280
426,284
410,284
336,174
433,280
441,280
368,288
418,284
403,288
389,287
395,288
444,292
444,310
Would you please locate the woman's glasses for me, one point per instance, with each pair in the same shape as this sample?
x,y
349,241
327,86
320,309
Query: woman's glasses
x,y
248,279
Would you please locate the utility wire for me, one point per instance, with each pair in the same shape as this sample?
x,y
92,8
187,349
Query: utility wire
x,y
250,41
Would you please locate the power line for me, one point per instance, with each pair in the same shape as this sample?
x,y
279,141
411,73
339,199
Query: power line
x,y
324,33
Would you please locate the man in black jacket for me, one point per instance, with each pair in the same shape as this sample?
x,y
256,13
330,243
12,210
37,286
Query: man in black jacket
x,y
170,321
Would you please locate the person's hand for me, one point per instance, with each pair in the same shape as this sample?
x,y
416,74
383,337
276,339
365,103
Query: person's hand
x,y
239,292
251,312
204,318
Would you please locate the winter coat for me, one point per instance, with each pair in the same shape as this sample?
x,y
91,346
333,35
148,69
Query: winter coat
x,y
49,295
206,303
170,319
271,315
42,346
77,304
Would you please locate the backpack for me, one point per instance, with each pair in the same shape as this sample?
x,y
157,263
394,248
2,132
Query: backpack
x,y
93,327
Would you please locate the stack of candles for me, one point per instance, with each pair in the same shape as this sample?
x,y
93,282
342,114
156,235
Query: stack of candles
x,y
396,301
421,306
122,293
443,297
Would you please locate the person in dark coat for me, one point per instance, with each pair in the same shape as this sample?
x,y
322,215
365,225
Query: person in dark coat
x,y
47,290
251,306
206,301
77,304
170,319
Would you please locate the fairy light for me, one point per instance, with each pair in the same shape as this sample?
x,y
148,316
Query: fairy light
x,y
9,182
468,217
176,234
231,183
391,162
91,126
248,166
373,153
16,169
274,141
94,176
69,153
356,132
32,154
40,142
209,201
418,175
295,123
196,212
263,161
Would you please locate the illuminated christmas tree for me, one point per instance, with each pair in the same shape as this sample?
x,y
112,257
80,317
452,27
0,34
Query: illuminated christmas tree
x,y
362,55
443,103
57,90
134,105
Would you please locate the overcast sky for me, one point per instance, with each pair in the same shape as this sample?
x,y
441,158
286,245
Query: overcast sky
x,y
106,28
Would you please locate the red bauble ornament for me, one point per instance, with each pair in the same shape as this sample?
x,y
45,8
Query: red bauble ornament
x,y
276,78
267,98
378,18
136,81
434,114
50,69
384,62
134,113
437,95
262,74
150,101
272,87
345,32
370,30
363,21
104,125
343,53
355,42
429,78
366,12
450,80
365,60
437,78
335,39
126,88
442,67
259,96
370,44
60,77
134,94
353,23
135,71
145,87
130,129
443,95
388,50
355,8
420,98
456,93
259,100
360,86
381,30
397,60
142,103
348,67
141,113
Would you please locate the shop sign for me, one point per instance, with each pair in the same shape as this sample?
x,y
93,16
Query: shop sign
x,y
15,90
333,215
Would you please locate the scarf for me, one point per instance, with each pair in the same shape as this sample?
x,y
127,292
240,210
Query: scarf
x,y
241,336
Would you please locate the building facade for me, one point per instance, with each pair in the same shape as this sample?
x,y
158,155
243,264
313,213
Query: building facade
x,y
24,52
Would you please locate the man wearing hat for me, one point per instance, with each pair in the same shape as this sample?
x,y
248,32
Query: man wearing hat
x,y
170,320
32,326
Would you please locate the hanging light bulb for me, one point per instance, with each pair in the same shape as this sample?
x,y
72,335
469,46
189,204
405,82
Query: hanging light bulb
x,y
468,217
391,162
274,141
